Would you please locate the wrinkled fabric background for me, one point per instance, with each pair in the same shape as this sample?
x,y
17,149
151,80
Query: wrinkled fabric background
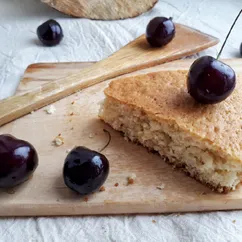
x,y
87,40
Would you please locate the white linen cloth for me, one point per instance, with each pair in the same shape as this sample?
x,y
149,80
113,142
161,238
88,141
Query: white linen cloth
x,y
87,40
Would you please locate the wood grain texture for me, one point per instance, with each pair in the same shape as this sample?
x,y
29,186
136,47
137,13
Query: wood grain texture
x,y
46,195
102,9
136,55
39,74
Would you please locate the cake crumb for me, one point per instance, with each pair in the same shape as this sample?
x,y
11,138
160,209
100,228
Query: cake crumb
x,y
32,112
50,110
153,221
116,184
58,141
72,102
220,189
71,114
102,189
86,199
91,135
68,151
161,187
131,179
234,221
72,128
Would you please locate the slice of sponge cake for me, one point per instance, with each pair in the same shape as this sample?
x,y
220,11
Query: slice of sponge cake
x,y
156,111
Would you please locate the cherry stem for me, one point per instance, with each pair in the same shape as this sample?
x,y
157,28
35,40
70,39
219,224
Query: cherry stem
x,y
109,140
228,34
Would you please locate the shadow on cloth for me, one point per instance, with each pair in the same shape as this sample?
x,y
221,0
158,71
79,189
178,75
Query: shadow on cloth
x,y
20,10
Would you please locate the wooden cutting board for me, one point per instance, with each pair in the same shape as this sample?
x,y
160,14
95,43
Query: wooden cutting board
x,y
46,195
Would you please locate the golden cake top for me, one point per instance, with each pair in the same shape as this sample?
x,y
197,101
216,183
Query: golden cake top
x,y
164,96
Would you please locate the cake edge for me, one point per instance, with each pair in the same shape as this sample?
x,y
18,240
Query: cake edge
x,y
181,166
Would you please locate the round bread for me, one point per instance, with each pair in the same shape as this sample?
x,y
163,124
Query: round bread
x,y
102,9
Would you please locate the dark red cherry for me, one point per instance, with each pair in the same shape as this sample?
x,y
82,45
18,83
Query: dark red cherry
x,y
50,33
160,31
18,161
210,80
85,170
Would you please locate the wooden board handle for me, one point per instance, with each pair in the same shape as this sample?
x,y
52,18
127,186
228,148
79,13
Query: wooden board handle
x,y
134,56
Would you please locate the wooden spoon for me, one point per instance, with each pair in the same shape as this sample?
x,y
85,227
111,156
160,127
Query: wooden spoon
x,y
134,56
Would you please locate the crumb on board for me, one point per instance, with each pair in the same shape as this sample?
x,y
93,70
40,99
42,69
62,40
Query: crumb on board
x,y
32,112
72,128
102,189
220,189
73,102
116,184
10,191
91,135
234,221
202,193
50,110
153,221
86,199
161,187
58,141
131,179
71,114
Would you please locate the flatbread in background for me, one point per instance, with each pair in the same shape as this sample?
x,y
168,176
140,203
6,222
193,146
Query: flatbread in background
x,y
102,9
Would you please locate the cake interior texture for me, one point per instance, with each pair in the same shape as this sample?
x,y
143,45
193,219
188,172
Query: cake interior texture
x,y
154,116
